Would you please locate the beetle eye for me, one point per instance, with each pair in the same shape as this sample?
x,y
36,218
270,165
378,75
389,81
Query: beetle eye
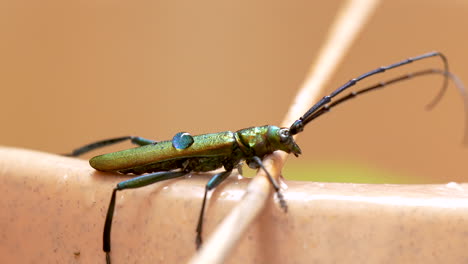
x,y
284,134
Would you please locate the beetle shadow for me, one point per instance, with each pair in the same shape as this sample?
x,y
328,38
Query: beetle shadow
x,y
109,177
234,184
113,178
159,186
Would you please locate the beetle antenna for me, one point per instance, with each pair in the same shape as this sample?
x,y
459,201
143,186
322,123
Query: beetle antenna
x,y
298,125
441,93
326,108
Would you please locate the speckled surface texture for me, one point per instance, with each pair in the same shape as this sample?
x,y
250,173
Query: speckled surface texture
x,y
53,211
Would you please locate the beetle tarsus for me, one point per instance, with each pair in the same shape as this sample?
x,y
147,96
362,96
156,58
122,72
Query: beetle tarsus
x,y
198,241
282,201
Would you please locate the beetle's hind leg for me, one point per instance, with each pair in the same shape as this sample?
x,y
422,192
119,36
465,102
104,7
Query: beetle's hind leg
x,y
107,142
275,184
137,182
212,183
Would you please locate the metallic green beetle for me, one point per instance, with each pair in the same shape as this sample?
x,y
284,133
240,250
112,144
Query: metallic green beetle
x,y
157,161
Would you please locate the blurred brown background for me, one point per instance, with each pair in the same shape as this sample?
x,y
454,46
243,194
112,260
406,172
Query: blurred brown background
x,y
73,72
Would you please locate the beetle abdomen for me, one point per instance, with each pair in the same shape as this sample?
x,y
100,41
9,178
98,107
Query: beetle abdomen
x,y
163,156
196,164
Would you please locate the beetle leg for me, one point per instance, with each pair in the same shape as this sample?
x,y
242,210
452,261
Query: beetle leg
x,y
142,141
137,182
239,168
107,142
212,183
273,182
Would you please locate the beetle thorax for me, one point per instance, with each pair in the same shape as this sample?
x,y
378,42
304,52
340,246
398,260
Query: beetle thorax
x,y
264,140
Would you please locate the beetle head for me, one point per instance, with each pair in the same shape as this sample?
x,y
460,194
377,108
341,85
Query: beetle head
x,y
288,142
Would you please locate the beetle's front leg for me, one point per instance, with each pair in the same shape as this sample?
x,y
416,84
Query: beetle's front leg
x,y
239,169
273,182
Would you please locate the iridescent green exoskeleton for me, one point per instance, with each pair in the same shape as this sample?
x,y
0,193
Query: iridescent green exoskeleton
x,y
157,161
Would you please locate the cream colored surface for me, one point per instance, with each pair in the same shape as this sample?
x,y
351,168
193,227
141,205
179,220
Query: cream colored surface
x,y
73,72
46,220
